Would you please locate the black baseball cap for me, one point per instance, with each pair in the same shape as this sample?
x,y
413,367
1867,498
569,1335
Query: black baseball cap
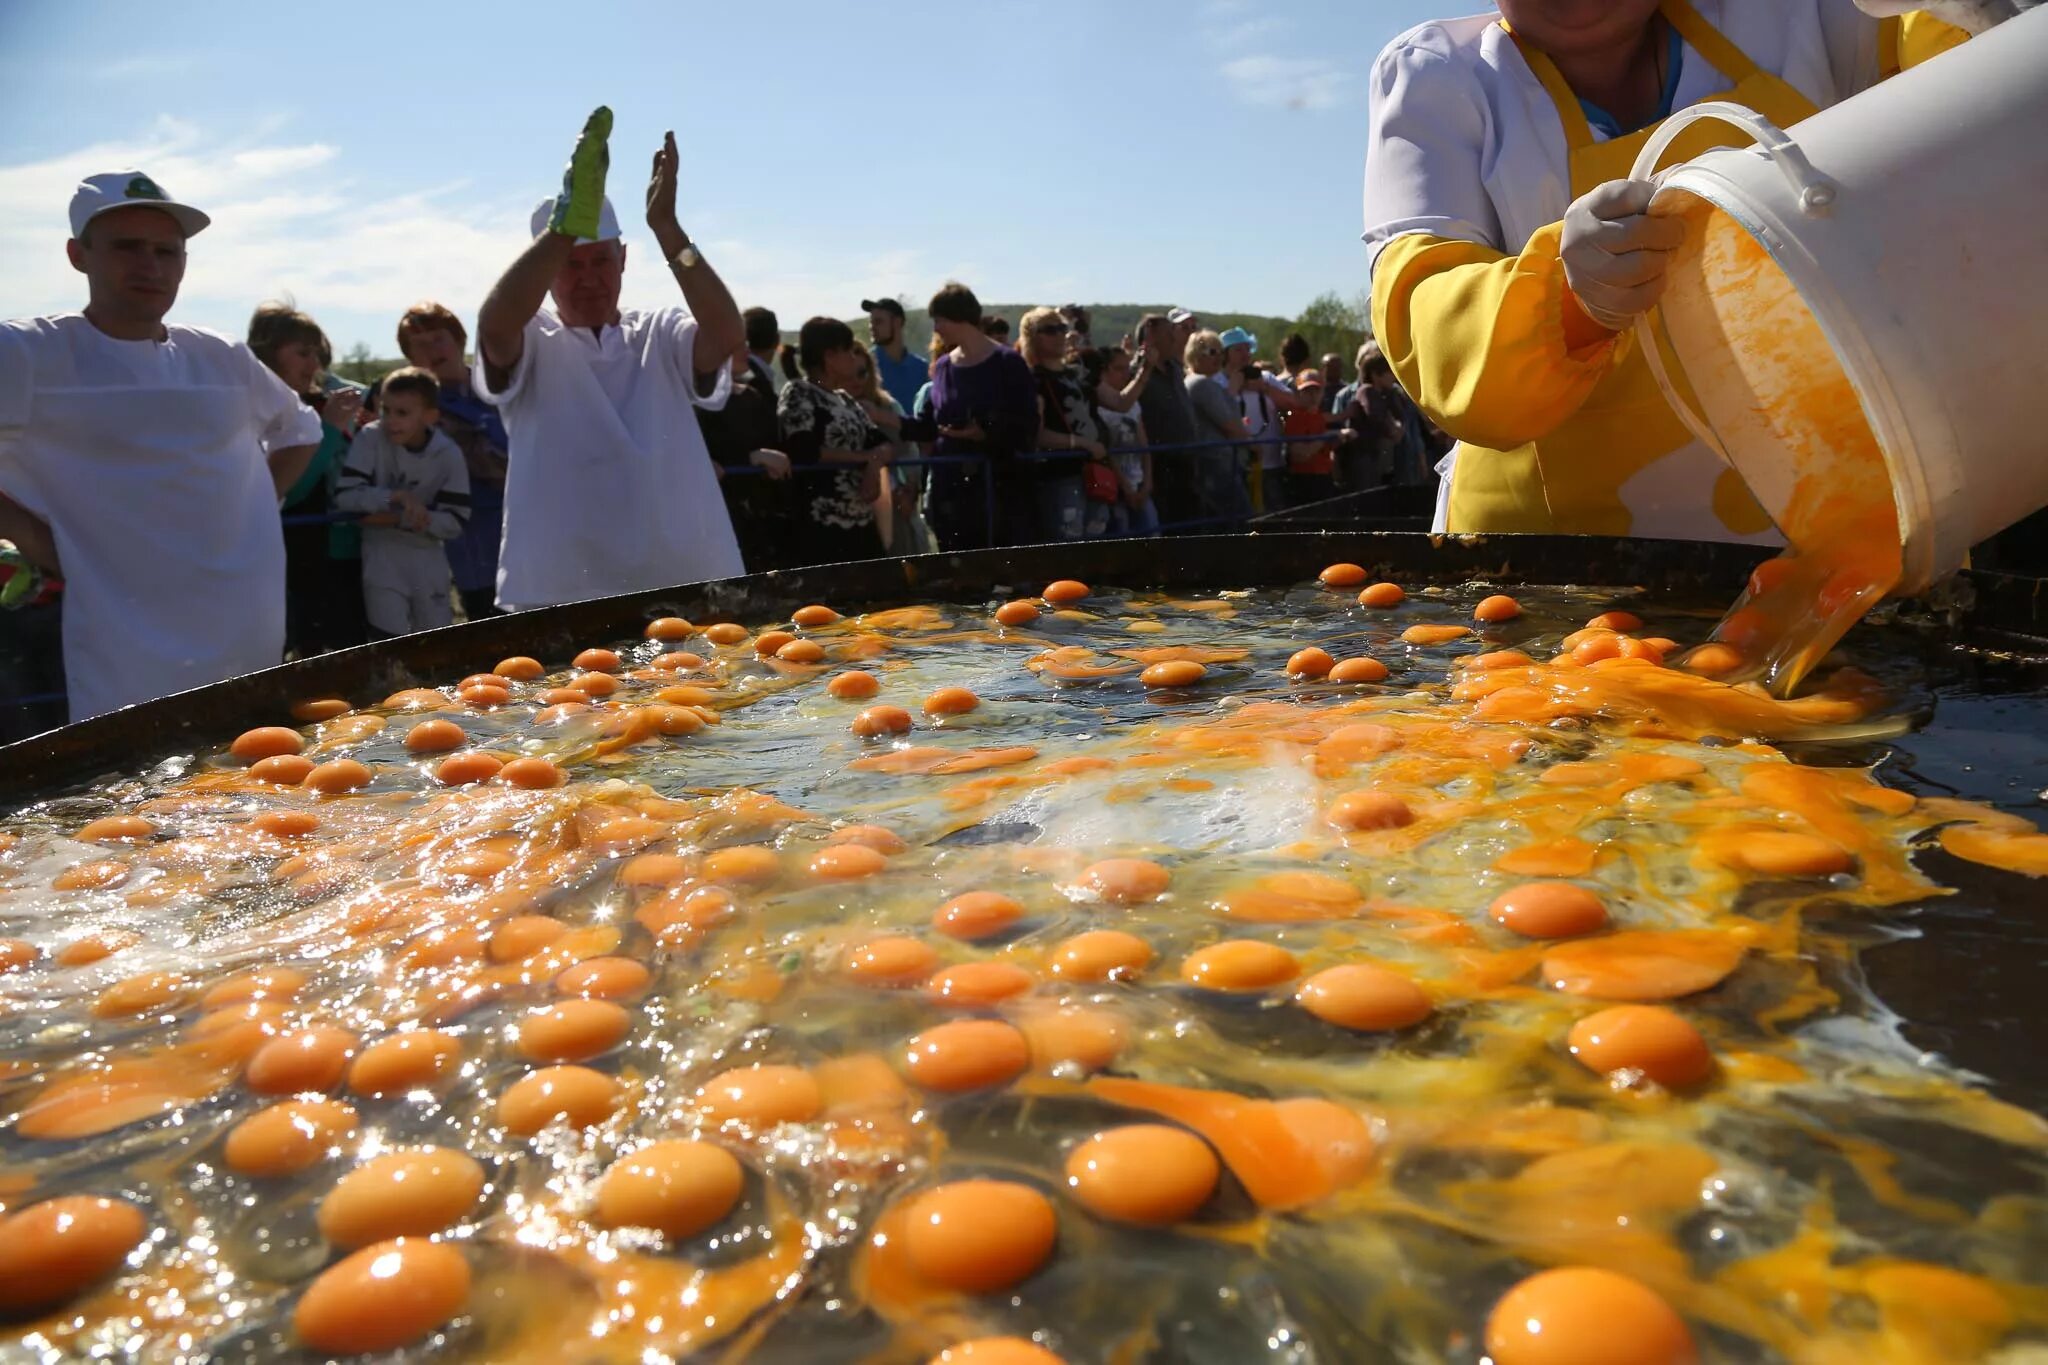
x,y
881,305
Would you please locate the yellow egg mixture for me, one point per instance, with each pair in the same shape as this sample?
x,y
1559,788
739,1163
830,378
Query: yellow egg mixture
x,y
1323,974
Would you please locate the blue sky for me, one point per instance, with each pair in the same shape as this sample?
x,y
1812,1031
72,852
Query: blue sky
x,y
362,156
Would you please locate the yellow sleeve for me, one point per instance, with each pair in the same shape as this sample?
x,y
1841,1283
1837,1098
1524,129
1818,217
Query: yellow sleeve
x,y
1921,36
1493,348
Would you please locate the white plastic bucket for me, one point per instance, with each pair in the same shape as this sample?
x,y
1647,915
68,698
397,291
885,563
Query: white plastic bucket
x,y
1913,222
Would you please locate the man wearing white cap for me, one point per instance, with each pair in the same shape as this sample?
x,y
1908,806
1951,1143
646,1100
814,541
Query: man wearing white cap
x,y
611,488
143,461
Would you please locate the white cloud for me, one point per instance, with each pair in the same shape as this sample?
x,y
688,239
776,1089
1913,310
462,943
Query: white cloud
x,y
1287,82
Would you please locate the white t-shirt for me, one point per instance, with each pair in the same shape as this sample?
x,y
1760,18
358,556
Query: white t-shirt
x,y
147,458
610,487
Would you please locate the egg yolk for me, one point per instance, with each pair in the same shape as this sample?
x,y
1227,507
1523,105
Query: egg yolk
x,y
890,962
1359,670
1382,595
951,701
1651,1040
880,838
462,770
268,983
284,770
266,741
1496,609
52,1251
534,773
337,775
1336,1138
311,1058
604,978
1083,1036
286,824
676,1188
288,1136
979,1236
418,1191
668,628
1145,1173
1585,1316
967,1054
1550,910
881,720
976,915
383,1297
524,935
1367,810
1788,854
973,984
519,668
575,1094
853,685
1065,591
1360,996
115,829
435,736
761,1096
1341,576
1101,955
573,1030
1173,673
16,954
1310,663
1125,881
1433,635
847,862
995,1351
595,661
404,1061
1019,613
1239,965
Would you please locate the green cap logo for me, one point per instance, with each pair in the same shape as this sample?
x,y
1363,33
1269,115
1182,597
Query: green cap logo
x,y
142,187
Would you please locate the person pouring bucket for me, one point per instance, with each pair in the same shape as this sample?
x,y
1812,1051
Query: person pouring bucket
x,y
1509,251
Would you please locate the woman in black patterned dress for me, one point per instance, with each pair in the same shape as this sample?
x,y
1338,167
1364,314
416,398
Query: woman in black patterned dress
x,y
839,451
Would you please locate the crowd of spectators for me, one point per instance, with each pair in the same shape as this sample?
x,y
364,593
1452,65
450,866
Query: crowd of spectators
x,y
577,449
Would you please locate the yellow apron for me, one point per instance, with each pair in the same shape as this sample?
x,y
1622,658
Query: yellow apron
x,y
1570,481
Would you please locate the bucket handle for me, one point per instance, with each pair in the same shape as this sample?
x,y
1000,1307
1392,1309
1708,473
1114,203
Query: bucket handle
x,y
1815,191
1815,194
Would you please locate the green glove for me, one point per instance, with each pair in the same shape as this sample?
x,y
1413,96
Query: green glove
x,y
581,202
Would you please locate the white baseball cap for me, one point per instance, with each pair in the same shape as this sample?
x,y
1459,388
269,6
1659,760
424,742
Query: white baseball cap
x,y
98,194
1177,316
607,221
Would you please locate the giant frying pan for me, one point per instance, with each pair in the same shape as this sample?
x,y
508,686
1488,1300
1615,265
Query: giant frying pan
x,y
1968,985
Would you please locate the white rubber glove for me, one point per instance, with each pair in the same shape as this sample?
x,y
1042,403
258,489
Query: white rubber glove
x,y
1615,254
1972,16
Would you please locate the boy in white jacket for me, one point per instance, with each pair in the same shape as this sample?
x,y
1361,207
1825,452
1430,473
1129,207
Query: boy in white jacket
x,y
409,480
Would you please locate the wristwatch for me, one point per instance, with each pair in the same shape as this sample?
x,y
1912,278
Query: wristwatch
x,y
687,258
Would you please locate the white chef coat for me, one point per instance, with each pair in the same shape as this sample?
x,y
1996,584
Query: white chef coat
x,y
148,459
609,488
